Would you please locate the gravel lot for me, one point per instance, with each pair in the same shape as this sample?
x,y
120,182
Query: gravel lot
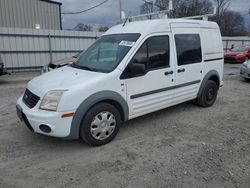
x,y
182,146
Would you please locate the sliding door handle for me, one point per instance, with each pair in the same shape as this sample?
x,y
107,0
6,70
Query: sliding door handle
x,y
169,72
181,70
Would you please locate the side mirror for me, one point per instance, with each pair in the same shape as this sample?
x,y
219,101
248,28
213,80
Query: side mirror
x,y
137,69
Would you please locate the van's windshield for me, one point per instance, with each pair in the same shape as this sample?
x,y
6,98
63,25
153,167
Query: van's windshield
x,y
106,53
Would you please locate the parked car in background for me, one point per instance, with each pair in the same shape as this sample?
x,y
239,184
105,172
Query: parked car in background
x,y
238,54
245,70
60,63
2,69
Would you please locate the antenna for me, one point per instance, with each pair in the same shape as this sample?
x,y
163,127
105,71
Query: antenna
x,y
126,20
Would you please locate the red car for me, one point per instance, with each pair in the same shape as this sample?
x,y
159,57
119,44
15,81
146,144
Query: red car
x,y
237,55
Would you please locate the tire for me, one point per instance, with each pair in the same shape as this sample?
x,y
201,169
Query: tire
x,y
100,125
247,79
208,95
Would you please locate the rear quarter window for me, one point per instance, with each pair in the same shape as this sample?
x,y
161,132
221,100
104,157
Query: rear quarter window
x,y
212,40
188,47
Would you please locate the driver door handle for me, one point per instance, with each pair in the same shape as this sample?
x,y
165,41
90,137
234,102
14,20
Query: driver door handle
x,y
181,70
169,72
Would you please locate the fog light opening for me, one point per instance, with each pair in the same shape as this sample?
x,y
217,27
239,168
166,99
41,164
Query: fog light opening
x,y
45,128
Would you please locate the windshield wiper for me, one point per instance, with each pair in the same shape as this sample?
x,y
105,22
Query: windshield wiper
x,y
86,68
83,67
75,65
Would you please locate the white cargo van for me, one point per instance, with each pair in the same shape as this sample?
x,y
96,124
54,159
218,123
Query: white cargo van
x,y
130,71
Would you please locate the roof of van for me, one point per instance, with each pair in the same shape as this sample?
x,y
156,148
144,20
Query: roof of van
x,y
159,25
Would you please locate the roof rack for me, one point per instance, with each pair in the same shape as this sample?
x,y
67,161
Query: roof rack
x,y
154,15
163,15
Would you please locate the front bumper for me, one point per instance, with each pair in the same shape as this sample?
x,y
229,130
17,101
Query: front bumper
x,y
234,59
34,118
245,72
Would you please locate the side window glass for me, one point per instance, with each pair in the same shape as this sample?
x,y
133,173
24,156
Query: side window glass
x,y
154,53
158,52
141,55
188,48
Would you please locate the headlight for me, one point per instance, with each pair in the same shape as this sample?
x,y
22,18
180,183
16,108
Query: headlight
x,y
51,100
247,63
241,54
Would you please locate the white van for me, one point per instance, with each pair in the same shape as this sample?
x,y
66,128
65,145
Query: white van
x,y
130,71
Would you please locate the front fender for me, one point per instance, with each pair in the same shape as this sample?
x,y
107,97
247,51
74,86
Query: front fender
x,y
88,103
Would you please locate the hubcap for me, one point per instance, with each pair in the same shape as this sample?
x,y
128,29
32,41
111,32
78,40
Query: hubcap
x,y
103,125
210,94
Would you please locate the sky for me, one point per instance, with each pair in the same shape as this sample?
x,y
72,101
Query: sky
x,y
108,13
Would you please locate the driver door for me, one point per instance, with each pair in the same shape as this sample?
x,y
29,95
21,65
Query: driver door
x,y
151,91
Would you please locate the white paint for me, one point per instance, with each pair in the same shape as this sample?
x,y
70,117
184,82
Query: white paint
x,y
81,84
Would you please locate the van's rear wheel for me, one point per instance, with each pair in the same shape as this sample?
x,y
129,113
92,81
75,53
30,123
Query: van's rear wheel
x,y
101,124
209,94
247,79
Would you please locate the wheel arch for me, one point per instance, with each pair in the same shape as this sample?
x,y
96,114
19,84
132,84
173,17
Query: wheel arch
x,y
211,75
110,97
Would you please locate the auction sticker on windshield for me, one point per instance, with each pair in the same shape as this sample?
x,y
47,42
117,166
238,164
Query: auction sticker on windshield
x,y
126,43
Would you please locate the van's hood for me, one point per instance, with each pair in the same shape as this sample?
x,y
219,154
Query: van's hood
x,y
62,79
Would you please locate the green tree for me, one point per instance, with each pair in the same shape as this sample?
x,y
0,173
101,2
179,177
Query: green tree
x,y
83,27
185,8
221,7
232,24
103,28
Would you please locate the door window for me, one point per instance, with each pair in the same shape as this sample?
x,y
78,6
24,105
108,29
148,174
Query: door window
x,y
158,52
141,55
154,53
188,47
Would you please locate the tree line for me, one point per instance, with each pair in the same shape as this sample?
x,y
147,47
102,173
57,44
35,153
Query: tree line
x,y
231,22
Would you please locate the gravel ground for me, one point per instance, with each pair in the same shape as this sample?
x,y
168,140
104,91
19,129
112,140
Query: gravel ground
x,y
182,146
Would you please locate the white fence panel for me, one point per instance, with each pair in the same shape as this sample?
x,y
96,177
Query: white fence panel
x,y
236,41
29,49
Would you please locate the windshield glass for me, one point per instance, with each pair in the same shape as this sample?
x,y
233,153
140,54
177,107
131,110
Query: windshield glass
x,y
239,49
106,53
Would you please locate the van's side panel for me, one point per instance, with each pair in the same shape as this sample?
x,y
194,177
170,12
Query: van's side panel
x,y
152,91
212,50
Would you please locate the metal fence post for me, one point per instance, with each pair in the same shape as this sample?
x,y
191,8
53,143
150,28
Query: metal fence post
x,y
50,49
226,45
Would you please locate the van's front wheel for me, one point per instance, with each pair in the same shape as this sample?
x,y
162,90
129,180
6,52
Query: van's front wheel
x,y
101,124
208,95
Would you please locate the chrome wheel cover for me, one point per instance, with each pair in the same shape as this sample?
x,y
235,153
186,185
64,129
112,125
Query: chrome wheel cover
x,y
103,125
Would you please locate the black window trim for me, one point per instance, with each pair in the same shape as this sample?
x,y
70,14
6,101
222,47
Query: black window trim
x,y
176,48
124,76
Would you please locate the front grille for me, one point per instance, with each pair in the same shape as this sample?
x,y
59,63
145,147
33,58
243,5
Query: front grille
x,y
30,99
